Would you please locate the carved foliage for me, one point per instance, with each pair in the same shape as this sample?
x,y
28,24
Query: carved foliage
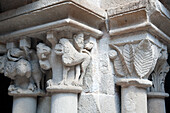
x,y
159,74
129,59
143,58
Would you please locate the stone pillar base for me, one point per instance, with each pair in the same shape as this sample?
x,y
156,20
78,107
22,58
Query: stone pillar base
x,y
24,104
156,102
64,98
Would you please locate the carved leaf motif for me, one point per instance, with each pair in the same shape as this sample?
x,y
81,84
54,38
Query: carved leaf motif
x,y
143,58
128,57
119,67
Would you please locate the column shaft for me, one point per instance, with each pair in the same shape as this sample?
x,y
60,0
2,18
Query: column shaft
x,y
24,104
64,103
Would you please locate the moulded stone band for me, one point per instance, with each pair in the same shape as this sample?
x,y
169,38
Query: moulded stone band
x,y
64,89
27,94
157,95
125,82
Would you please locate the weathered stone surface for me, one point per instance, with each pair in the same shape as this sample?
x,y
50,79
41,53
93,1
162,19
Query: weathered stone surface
x,y
44,105
97,103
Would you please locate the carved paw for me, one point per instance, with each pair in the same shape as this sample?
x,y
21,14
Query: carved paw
x,y
49,83
12,88
19,90
75,83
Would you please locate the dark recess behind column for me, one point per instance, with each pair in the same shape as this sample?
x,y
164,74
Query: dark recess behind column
x,y
167,88
5,100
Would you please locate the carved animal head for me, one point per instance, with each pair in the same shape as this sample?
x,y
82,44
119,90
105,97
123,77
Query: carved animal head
x,y
89,45
43,51
63,41
23,67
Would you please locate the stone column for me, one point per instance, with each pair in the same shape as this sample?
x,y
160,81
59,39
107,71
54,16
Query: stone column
x,y
22,104
156,102
64,98
156,93
133,63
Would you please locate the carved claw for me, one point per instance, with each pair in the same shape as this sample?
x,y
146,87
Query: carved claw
x,y
31,87
75,83
63,82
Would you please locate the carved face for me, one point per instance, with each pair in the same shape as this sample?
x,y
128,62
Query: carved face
x,y
43,51
79,41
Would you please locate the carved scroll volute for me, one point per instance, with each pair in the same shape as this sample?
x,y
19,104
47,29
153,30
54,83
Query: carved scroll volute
x,y
133,60
159,73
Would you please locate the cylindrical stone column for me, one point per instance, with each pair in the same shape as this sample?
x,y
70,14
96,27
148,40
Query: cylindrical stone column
x,y
64,98
134,95
24,104
64,103
156,102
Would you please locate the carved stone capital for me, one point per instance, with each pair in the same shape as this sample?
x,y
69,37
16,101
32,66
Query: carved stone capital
x,y
20,64
125,82
159,73
69,54
134,60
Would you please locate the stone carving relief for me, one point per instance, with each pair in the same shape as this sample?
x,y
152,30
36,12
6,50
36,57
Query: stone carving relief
x,y
72,55
158,75
133,60
20,64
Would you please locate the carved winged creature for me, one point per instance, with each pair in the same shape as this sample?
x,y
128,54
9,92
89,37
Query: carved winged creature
x,y
71,56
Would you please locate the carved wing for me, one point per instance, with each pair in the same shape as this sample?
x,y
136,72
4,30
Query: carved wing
x,y
128,57
143,58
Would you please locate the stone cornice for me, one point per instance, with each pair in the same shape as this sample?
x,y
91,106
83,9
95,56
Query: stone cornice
x,y
152,21
50,26
51,13
42,4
